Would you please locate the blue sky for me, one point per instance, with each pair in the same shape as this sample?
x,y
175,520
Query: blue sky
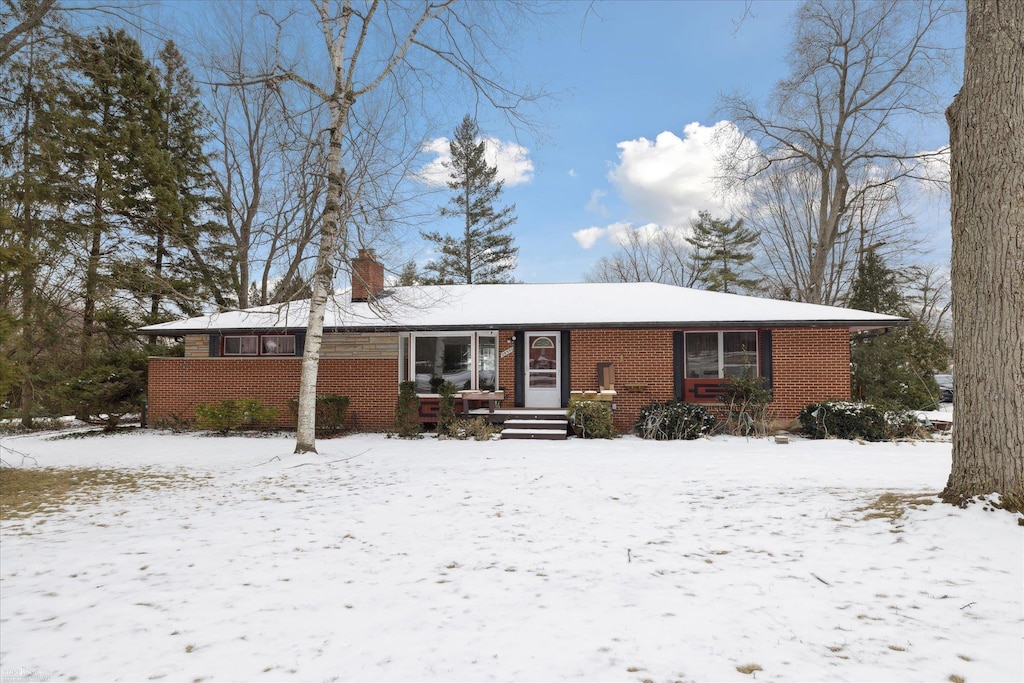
x,y
624,140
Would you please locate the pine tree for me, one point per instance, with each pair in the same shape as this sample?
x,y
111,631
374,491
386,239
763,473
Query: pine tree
x,y
899,366
484,253
721,250
35,235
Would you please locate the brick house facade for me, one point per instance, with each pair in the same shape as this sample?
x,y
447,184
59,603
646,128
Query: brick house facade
x,y
802,351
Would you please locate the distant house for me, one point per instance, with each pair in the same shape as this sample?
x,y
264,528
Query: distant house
x,y
533,344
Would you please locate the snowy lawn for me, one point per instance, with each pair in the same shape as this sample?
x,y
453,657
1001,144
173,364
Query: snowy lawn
x,y
381,559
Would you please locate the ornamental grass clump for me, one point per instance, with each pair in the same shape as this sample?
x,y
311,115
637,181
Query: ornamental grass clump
x,y
848,420
675,420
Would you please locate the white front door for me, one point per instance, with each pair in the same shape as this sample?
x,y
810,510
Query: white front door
x,y
543,376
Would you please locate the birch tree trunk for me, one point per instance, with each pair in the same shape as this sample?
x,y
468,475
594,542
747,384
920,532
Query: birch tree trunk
x,y
986,123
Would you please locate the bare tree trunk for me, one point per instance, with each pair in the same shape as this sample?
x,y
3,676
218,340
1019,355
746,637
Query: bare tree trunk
x,y
987,174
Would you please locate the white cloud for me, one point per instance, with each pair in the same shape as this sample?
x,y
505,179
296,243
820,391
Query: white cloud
x,y
668,180
619,233
572,172
512,160
595,204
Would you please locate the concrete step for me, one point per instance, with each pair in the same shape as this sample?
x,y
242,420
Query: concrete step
x,y
540,434
536,424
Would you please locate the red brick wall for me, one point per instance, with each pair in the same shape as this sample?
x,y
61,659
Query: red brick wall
x,y
809,364
643,367
177,385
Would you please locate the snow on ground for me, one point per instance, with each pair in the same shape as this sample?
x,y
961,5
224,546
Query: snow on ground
x,y
621,560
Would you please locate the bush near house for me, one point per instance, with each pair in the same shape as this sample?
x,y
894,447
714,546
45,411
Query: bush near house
x,y
847,420
330,413
231,414
407,411
675,420
591,419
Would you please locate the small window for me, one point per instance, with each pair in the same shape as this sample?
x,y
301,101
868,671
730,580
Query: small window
x,y
247,345
277,345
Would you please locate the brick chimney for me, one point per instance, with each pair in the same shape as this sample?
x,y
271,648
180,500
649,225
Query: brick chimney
x,y
367,276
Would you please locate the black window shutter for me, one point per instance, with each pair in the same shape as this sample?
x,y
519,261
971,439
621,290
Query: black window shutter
x,y
300,343
764,344
214,345
520,369
678,357
566,372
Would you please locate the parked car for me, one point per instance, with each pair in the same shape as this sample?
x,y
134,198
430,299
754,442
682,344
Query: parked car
x,y
945,383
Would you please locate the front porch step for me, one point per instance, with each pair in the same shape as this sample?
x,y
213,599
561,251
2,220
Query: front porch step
x,y
551,428
519,423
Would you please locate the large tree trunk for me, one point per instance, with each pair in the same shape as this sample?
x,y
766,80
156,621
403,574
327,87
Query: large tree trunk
x,y
986,122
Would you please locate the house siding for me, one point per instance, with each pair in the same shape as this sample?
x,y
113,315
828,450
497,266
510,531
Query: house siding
x,y
197,346
809,364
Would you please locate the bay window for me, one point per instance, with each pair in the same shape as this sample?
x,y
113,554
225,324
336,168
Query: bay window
x,y
469,360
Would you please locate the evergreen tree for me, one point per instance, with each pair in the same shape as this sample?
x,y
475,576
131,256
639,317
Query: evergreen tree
x,y
484,253
721,250
35,234
409,276
899,366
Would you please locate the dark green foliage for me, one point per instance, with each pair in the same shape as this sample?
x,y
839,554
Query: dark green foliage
x,y
331,411
747,400
675,420
899,366
446,408
232,414
407,411
103,393
484,253
722,248
591,419
846,420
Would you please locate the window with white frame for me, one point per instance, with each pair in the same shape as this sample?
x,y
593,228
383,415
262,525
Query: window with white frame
x,y
716,355
259,345
469,360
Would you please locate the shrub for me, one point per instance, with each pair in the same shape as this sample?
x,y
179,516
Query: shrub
x,y
847,420
446,423
330,413
232,414
591,419
675,420
407,411
746,399
476,428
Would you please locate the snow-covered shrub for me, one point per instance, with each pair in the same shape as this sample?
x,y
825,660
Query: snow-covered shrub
x,y
848,420
232,414
330,413
675,420
591,419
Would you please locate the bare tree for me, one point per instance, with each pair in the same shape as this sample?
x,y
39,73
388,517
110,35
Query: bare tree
x,y
987,185
377,47
270,165
861,72
663,256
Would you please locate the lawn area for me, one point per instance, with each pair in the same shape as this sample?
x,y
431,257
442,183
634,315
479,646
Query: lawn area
x,y
182,557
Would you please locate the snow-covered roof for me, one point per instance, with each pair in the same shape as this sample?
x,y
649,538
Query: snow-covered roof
x,y
557,306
